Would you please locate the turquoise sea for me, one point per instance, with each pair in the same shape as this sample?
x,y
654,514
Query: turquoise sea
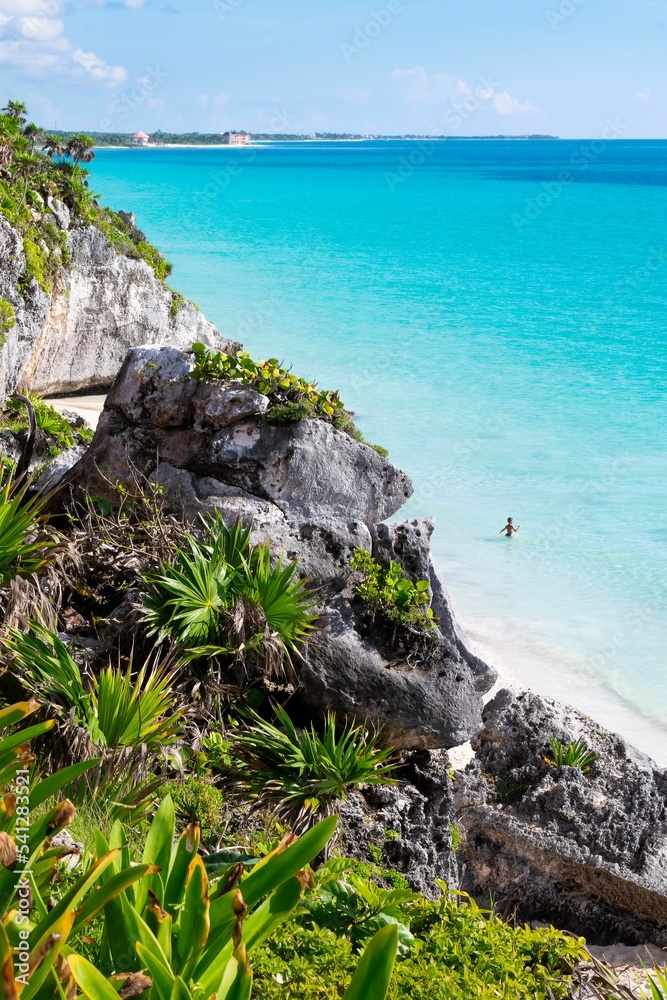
x,y
495,312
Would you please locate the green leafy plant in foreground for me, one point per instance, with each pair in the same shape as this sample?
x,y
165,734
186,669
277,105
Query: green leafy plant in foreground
x,y
388,590
302,775
573,754
193,933
223,596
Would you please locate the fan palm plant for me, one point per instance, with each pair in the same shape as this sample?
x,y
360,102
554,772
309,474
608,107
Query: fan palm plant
x,y
222,596
302,775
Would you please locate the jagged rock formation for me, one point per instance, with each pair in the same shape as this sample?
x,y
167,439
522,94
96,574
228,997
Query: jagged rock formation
x,y
587,852
102,304
411,823
315,493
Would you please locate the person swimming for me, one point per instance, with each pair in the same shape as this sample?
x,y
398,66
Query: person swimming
x,y
510,528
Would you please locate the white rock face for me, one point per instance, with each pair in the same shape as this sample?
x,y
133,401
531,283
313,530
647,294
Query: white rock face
x,y
103,305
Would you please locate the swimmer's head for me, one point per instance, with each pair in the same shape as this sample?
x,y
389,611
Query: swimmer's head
x,y
509,520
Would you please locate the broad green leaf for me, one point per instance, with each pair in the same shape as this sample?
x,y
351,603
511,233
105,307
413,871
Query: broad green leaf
x,y
47,787
163,978
373,975
89,980
237,979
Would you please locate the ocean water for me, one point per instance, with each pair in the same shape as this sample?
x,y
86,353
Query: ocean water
x,y
495,312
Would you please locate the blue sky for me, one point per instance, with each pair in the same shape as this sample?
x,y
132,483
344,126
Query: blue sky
x,y
461,67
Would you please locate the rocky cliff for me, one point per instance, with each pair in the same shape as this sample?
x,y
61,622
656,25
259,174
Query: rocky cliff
x,y
102,303
315,493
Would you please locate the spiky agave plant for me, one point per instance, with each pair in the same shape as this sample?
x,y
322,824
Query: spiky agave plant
x,y
25,548
573,754
302,775
222,596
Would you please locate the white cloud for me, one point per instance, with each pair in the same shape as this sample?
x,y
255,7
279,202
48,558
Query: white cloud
x,y
33,41
434,89
220,99
505,104
645,95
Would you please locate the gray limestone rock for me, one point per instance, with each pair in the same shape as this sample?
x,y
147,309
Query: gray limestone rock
x,y
314,493
77,336
585,851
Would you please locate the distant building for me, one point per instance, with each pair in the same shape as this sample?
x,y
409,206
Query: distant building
x,y
236,139
140,139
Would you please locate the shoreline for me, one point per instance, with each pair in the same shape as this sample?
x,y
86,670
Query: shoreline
x,y
522,661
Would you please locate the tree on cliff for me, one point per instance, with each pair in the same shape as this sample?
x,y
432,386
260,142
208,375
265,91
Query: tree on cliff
x,y
80,148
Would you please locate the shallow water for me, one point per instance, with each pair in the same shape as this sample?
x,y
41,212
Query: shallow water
x,y
502,331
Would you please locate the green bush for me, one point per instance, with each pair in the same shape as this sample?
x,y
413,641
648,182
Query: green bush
x,y
303,775
198,800
7,319
573,754
459,952
223,597
386,589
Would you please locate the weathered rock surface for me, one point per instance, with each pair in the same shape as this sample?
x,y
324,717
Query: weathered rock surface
x,y
313,492
77,336
410,822
587,852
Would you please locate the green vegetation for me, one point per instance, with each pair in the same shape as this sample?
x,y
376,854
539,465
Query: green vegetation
x,y
7,319
38,170
292,398
302,775
222,596
26,546
386,589
60,432
574,754
454,951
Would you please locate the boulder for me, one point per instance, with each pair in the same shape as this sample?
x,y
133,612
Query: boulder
x,y
412,823
314,493
585,851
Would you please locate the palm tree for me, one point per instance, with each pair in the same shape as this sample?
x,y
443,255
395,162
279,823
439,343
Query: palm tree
x,y
17,110
33,134
25,164
54,146
80,148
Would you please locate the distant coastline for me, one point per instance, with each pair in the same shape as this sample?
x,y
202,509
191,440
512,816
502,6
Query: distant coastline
x,y
123,140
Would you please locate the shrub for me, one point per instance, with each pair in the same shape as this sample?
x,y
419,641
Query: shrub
x,y
459,952
574,754
7,319
302,775
387,589
198,801
267,377
52,423
122,709
223,597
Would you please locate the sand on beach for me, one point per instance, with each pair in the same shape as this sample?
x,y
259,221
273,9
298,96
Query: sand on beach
x,y
88,407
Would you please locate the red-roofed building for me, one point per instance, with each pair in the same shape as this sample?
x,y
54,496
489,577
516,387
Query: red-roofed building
x,y
140,138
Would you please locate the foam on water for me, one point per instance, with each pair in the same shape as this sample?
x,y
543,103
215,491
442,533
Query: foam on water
x,y
503,333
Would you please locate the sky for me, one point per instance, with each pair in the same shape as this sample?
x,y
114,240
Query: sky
x,y
573,68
